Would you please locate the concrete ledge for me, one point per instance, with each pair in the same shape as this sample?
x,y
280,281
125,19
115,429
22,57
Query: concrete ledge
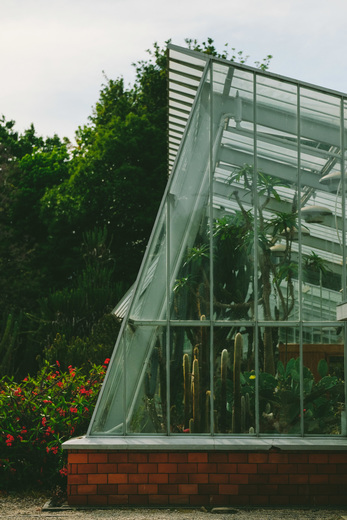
x,y
198,443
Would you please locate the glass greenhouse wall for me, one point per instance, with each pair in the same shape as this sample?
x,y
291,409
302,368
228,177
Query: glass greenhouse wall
x,y
231,327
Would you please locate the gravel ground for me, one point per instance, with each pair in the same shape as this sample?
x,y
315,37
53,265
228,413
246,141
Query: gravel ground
x,y
17,507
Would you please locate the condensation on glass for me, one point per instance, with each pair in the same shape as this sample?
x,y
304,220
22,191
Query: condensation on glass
x,y
231,328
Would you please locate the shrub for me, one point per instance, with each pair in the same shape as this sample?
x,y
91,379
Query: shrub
x,y
36,416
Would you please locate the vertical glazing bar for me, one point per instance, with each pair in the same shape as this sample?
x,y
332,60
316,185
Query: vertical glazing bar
x,y
168,330
255,245
125,411
301,352
211,167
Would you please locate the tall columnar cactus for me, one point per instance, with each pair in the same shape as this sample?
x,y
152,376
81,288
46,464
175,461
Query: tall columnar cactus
x,y
223,399
238,348
196,394
187,390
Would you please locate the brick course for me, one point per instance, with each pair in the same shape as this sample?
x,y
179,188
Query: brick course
x,y
203,478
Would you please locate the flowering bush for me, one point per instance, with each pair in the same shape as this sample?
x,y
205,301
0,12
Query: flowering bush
x,y
36,416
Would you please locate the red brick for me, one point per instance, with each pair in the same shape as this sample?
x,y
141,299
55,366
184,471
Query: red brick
x,y
239,479
147,468
300,500
78,458
287,468
318,458
338,458
147,489
228,489
226,468
197,457
97,457
259,458
199,500
116,458
107,468
198,478
158,457
319,479
177,478
168,468
78,479
220,500
338,479
78,500
268,489
238,457
72,469
73,489
247,468
88,468
267,468
275,458
168,489
257,478
114,500
341,468
218,457
248,490
127,489
118,478
209,489
327,468
307,468
287,489
138,500
159,478
279,479
127,468
188,489
299,479
179,499
158,500
97,500
137,457
207,468
237,500
216,478
178,457
187,468
87,489
297,458
96,478
136,478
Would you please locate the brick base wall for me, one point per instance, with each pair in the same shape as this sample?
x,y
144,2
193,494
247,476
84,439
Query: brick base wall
x,y
218,478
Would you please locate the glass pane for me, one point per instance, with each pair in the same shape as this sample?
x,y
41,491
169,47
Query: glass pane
x,y
189,210
146,402
321,205
277,189
234,380
323,380
150,299
233,200
109,416
190,379
279,392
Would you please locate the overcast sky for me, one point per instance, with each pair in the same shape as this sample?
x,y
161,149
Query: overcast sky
x,y
53,52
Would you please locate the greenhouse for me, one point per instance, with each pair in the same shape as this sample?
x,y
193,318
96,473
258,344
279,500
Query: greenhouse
x,y
231,351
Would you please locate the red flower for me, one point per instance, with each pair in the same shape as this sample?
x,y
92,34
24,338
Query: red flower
x,y
73,409
44,420
57,363
107,360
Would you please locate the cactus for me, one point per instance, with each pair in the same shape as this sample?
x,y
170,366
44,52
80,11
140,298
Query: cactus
x,y
238,347
187,392
223,400
196,395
